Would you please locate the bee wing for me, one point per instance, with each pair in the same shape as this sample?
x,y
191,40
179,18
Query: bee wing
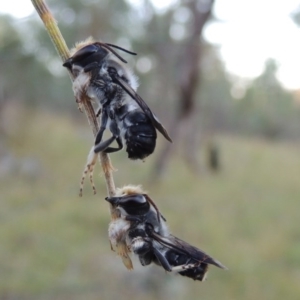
x,y
176,244
143,106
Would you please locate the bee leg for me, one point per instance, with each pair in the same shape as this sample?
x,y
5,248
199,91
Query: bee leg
x,y
123,251
99,135
111,149
104,119
111,246
89,167
114,129
115,135
104,145
127,262
162,260
92,157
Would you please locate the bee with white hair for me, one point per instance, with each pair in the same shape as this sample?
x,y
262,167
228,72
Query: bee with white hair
x,y
102,74
142,229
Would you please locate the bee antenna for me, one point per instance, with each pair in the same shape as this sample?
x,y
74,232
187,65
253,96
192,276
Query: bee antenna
x,y
113,51
154,205
120,48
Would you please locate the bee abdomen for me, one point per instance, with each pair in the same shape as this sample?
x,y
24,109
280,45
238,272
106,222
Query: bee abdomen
x,y
197,273
140,136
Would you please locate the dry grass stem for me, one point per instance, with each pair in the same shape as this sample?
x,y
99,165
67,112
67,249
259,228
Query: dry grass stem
x,y
86,105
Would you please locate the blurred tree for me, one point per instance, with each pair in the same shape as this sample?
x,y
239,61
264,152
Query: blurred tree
x,y
188,81
213,156
170,43
267,108
181,76
26,47
27,67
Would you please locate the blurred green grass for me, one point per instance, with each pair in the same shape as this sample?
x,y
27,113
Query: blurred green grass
x,y
53,244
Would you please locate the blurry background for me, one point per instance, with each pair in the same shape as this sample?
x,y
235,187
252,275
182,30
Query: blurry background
x,y
224,79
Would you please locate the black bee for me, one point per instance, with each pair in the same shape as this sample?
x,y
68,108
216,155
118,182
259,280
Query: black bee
x,y
103,75
143,229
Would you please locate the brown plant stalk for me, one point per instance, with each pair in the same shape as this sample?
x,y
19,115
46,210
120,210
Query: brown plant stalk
x,y
63,51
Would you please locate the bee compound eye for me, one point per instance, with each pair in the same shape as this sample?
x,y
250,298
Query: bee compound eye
x,y
90,53
134,205
85,51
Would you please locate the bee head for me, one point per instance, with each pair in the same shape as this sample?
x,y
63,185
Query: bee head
x,y
132,204
133,200
90,52
87,55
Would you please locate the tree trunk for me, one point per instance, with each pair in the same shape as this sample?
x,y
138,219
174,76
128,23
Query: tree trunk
x,y
189,80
